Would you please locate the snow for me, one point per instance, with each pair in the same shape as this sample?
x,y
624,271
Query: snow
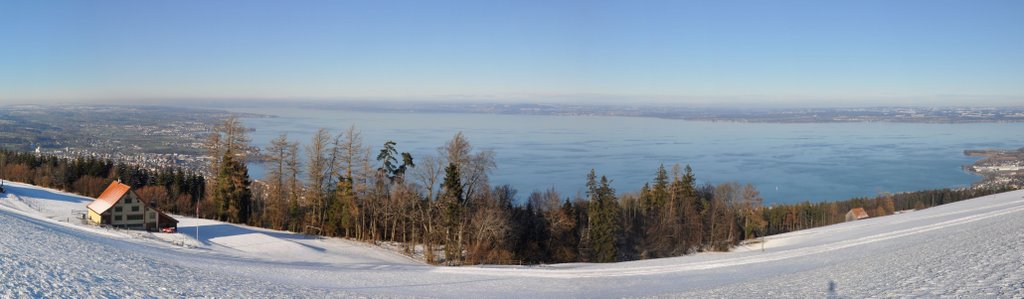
x,y
971,248
254,242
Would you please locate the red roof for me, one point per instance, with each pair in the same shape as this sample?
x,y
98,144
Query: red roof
x,y
859,213
109,197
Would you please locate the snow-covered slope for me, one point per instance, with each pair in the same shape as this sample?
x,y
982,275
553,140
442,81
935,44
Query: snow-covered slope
x,y
213,236
967,249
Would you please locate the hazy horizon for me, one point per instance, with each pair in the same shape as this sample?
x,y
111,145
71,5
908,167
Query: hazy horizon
x,y
735,53
610,102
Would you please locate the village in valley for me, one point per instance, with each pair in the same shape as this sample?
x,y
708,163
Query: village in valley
x,y
153,137
998,167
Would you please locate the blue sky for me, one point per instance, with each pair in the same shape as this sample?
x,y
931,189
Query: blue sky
x,y
699,52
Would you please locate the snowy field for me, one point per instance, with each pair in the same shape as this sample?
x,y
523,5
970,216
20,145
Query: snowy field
x,y
973,248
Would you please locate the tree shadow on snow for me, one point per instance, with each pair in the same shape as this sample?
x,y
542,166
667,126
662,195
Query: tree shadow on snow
x,y
42,194
207,232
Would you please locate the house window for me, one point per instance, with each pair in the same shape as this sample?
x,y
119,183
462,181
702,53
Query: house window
x,y
117,218
134,217
127,200
135,209
118,209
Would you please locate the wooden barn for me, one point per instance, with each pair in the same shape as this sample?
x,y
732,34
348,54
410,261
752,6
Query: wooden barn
x,y
856,214
119,206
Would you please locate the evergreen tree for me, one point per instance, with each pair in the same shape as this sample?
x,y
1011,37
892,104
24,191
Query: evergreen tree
x,y
603,219
389,162
660,191
233,196
646,198
454,210
343,211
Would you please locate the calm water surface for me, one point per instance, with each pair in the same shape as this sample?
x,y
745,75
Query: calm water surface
x,y
787,162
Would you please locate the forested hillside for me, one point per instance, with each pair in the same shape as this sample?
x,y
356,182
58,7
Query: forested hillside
x,y
340,187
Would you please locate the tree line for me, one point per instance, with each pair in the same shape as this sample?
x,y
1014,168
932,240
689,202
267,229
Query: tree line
x,y
443,206
792,217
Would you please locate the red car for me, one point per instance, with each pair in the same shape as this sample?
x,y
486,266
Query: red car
x,y
168,230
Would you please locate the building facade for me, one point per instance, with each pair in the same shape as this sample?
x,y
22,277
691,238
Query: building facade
x,y
119,206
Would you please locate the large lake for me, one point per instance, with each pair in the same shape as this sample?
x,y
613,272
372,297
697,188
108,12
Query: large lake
x,y
787,162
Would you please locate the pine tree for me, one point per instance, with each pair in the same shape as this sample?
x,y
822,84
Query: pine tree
x,y
603,234
659,194
343,210
646,198
389,162
454,205
686,225
233,196
230,143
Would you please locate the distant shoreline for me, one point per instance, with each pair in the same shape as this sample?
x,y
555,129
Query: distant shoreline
x,y
928,115
997,167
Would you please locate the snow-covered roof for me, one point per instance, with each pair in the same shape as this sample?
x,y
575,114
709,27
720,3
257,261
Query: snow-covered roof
x,y
109,197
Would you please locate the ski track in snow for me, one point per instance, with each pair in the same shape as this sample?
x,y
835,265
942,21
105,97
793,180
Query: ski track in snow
x,y
973,248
